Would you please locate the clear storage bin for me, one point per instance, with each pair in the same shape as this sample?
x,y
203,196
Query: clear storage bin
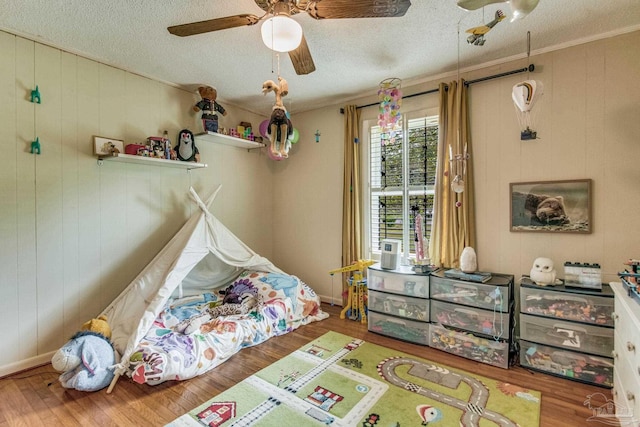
x,y
493,323
401,328
574,336
399,305
566,363
469,346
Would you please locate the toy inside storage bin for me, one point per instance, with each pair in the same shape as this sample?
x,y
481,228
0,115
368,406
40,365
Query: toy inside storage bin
x,y
399,305
565,363
400,328
469,346
490,323
593,306
491,295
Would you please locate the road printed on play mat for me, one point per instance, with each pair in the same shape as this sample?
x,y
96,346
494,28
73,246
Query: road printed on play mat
x,y
472,410
286,395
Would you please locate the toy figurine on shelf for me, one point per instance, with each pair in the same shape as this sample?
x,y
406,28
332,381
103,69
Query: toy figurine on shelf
x,y
209,108
631,279
186,149
357,290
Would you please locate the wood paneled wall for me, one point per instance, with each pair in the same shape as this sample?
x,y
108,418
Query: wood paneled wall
x,y
74,234
589,127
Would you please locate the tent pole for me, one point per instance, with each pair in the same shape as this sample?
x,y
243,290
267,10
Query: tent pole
x,y
113,383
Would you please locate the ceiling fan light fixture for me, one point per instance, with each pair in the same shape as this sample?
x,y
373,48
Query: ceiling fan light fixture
x,y
281,33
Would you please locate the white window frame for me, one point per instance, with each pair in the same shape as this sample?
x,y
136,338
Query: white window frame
x,y
366,179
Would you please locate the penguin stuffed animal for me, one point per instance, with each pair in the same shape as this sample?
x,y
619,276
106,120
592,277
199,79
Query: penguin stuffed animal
x,y
186,149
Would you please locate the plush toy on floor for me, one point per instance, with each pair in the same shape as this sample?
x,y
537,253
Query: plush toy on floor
x,y
280,127
99,325
87,360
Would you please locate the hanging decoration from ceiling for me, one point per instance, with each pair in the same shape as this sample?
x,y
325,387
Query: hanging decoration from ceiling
x,y
279,128
477,33
525,96
390,97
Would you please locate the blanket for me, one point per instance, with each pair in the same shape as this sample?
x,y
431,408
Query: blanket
x,y
195,334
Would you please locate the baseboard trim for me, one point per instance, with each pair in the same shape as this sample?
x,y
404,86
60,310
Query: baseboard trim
x,y
23,365
331,300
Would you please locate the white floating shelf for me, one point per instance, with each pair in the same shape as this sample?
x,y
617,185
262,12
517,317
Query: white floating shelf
x,y
220,138
141,160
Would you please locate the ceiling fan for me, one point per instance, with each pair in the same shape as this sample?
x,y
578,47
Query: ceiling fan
x,y
520,8
317,9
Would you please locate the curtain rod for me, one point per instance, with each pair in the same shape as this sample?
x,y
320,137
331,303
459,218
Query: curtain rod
x,y
530,68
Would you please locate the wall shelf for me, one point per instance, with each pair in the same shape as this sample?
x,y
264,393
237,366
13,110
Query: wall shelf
x,y
141,160
220,138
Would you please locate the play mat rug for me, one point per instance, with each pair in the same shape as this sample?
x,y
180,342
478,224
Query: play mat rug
x,y
341,381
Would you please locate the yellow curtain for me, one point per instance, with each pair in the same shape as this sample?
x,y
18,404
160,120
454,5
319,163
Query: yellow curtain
x,y
351,198
454,214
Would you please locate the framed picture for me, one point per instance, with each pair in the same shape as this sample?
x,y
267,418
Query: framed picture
x,y
107,146
551,206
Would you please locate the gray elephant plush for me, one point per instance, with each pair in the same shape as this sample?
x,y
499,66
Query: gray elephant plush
x,y
86,361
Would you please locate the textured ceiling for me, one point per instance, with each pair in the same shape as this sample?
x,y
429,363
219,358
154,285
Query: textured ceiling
x,y
351,55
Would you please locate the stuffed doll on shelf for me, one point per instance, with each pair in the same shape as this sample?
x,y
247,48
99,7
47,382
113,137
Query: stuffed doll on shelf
x,y
186,149
209,108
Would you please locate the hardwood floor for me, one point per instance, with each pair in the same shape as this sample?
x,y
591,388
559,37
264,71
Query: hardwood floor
x,y
35,398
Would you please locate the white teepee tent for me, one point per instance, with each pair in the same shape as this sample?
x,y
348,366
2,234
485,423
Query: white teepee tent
x,y
204,254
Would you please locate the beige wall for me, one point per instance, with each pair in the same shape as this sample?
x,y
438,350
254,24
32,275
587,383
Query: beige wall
x,y
589,127
73,234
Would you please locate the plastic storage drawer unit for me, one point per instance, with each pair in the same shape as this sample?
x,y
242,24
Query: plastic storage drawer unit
x,y
574,336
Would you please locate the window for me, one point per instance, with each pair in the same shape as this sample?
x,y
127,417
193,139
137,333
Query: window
x,y
401,183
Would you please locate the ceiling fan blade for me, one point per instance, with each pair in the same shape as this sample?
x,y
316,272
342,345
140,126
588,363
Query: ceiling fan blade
x,y
301,58
213,25
334,9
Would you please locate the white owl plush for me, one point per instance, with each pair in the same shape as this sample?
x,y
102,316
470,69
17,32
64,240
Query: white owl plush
x,y
542,272
468,260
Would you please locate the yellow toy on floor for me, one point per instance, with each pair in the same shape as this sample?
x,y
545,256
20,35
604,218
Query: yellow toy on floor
x,y
357,290
98,325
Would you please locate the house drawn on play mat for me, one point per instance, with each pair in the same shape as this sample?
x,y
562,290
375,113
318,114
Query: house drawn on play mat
x,y
217,413
323,398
